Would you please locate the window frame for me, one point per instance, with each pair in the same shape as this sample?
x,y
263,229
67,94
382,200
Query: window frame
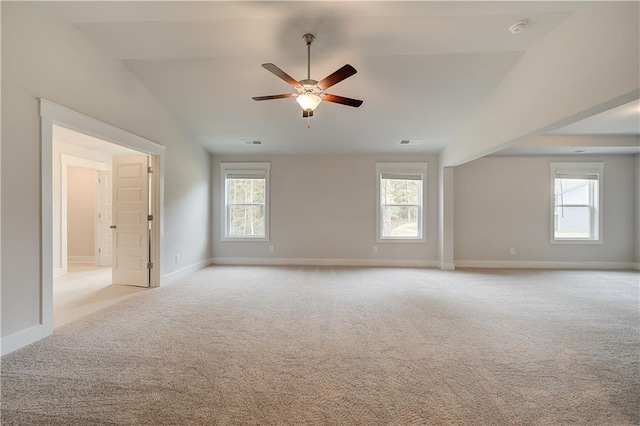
x,y
586,170
259,170
411,168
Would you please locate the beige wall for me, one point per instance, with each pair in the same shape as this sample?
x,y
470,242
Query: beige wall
x,y
323,207
81,211
44,57
637,212
504,202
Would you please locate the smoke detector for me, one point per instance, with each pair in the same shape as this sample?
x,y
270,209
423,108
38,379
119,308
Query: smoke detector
x,y
518,27
410,142
251,142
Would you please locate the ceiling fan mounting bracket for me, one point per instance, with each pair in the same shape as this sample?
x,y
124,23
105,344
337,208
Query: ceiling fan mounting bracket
x,y
308,83
308,38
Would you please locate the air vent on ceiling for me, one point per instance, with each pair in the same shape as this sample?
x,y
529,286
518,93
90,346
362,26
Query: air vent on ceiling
x,y
251,142
409,142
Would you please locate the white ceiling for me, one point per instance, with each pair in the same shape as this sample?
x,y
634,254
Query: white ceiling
x,y
62,134
623,120
616,131
423,67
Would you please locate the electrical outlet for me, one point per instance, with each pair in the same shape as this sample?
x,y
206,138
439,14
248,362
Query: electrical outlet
x,y
177,257
512,250
375,250
272,249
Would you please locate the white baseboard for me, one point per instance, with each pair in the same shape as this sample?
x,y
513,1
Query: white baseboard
x,y
175,275
20,339
275,261
542,264
81,259
447,266
58,272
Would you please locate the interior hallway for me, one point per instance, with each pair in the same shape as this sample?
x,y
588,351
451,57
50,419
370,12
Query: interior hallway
x,y
84,290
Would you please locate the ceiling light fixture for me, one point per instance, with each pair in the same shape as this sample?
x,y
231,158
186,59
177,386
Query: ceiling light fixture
x,y
308,101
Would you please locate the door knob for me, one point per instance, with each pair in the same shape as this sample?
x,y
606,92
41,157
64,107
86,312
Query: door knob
x,y
113,227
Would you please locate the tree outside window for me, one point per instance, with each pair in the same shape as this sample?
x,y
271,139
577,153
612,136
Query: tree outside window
x,y
400,197
246,198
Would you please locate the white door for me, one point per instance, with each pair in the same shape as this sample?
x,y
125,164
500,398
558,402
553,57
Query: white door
x,y
105,219
130,218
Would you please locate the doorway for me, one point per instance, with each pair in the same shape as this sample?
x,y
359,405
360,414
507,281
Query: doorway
x,y
56,118
85,278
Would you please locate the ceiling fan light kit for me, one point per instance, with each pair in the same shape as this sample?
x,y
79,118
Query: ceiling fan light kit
x,y
310,93
308,101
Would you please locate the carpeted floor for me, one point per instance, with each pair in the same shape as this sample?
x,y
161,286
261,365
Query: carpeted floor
x,y
311,346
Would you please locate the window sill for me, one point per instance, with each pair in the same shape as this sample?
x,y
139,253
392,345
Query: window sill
x,y
575,241
401,240
244,239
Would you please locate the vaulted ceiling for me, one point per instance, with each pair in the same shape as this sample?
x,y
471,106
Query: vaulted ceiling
x,y
423,67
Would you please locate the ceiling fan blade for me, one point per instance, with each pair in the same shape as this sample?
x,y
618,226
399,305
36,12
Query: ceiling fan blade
x,y
283,75
306,113
342,100
337,77
266,98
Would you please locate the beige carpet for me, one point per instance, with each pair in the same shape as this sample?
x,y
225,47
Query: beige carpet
x,y
312,346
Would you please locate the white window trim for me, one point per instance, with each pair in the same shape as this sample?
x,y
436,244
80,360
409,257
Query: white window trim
x,y
258,169
402,168
577,168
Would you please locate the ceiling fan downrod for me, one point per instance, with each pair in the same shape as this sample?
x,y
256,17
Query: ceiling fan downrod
x,y
308,39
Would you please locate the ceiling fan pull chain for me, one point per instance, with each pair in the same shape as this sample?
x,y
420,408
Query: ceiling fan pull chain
x,y
308,122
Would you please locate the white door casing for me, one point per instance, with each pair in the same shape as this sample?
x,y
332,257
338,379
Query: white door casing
x,y
105,219
52,114
130,218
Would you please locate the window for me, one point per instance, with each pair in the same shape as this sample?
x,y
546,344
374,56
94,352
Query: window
x,y
246,201
400,196
576,204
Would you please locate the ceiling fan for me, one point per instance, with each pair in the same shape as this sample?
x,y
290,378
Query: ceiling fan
x,y
309,93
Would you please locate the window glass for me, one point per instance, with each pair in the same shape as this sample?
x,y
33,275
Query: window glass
x,y
246,198
574,208
400,198
400,207
576,202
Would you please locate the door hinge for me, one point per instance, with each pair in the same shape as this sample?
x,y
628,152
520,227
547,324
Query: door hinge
x,y
150,217
149,169
99,250
99,215
150,265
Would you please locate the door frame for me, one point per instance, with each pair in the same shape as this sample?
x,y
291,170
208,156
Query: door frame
x,y
50,114
104,219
